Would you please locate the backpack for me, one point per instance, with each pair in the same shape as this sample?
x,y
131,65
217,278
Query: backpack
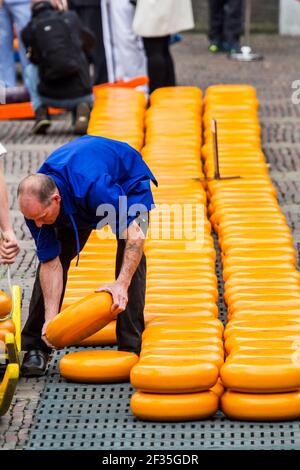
x,y
57,48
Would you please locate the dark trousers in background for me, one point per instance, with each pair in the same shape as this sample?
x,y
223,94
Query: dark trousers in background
x,y
130,323
226,20
160,64
91,18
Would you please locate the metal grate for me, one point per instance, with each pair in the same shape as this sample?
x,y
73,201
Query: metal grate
x,y
80,416
75,416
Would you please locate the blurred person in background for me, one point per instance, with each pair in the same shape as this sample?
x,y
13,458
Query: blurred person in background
x,y
58,75
9,247
155,21
14,14
89,12
125,55
225,25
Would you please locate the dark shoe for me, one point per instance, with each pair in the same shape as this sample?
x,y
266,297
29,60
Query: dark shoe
x,y
42,121
34,363
83,111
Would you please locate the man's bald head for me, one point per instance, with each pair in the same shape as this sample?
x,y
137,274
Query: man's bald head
x,y
39,199
39,186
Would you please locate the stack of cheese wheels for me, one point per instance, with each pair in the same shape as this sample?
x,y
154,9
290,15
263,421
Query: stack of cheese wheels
x,y
262,368
182,348
118,113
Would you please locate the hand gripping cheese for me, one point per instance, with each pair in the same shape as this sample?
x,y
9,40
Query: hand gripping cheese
x,y
80,320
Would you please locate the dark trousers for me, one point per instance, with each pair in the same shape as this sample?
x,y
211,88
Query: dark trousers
x,y
130,323
226,20
91,18
160,64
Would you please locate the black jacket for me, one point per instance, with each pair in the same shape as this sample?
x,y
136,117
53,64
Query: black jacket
x,y
77,85
84,3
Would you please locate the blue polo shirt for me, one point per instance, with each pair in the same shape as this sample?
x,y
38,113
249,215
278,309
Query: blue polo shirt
x,y
92,173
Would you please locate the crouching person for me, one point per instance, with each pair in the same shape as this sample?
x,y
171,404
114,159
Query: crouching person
x,y
58,75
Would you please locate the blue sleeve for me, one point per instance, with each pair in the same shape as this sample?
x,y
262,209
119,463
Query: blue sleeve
x,y
47,245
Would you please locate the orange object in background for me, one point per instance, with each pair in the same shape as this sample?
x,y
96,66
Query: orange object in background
x,y
24,110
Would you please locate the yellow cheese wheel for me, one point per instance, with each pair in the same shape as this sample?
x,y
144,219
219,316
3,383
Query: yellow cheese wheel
x,y
106,336
183,407
5,304
261,374
162,375
80,320
261,407
6,326
103,366
218,389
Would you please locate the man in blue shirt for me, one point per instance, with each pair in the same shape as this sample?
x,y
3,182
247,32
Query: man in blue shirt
x,y
86,184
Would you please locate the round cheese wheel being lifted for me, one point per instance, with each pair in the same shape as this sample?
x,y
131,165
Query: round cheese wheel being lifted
x,y
183,407
106,336
80,320
106,366
5,304
261,407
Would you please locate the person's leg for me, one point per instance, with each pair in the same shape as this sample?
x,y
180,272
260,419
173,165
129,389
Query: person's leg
x,y
32,80
171,77
31,334
130,323
156,62
42,118
21,13
233,22
91,17
216,14
130,55
7,61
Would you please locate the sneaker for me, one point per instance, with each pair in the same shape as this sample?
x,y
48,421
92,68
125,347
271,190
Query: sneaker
x,y
83,111
232,48
42,121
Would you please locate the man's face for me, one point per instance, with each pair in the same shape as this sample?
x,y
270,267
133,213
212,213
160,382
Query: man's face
x,y
41,214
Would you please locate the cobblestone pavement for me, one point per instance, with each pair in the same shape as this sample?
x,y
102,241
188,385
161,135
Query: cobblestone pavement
x,y
195,66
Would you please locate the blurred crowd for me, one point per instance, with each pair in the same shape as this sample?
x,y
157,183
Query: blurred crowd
x,y
65,47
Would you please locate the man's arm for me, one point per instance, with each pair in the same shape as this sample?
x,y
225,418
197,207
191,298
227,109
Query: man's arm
x,y
132,256
51,279
9,247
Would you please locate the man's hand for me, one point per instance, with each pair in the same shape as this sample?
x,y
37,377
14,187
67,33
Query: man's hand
x,y
59,4
119,294
44,337
9,247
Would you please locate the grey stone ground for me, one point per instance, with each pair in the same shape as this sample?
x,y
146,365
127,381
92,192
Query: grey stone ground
x,y
281,141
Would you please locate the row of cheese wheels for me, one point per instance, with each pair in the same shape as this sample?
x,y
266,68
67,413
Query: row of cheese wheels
x,y
177,374
261,284
118,113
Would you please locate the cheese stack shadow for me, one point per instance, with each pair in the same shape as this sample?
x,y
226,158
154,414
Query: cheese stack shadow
x,y
261,284
117,114
182,348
